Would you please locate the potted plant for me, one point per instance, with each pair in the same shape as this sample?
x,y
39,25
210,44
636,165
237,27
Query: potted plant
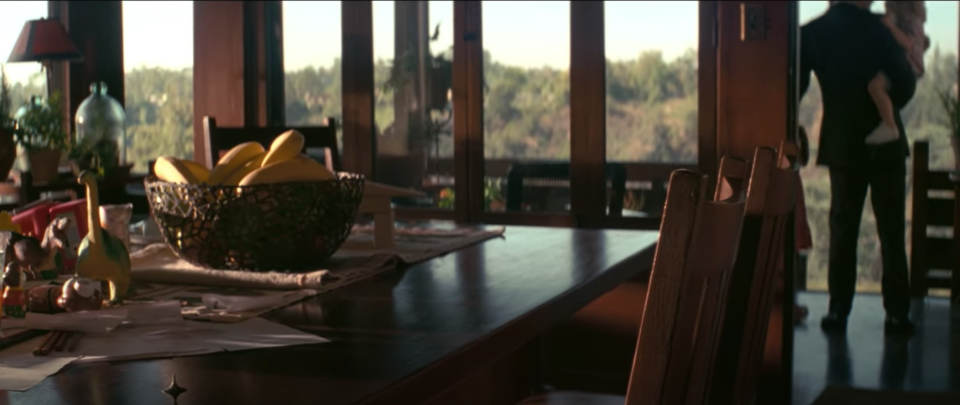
x,y
951,106
99,155
8,149
41,134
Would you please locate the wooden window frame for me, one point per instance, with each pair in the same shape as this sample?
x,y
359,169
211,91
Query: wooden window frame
x,y
262,95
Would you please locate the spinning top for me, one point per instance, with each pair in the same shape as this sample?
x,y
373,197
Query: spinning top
x,y
174,390
81,294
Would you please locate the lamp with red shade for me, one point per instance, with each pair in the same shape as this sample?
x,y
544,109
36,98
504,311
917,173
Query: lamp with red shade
x,y
44,41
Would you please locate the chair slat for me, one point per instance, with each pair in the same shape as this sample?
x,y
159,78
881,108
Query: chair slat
x,y
685,301
219,139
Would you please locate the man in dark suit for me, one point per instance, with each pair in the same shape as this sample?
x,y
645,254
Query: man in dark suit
x,y
846,48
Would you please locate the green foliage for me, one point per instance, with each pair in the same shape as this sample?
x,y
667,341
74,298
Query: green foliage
x,y
159,108
951,107
6,104
41,126
97,155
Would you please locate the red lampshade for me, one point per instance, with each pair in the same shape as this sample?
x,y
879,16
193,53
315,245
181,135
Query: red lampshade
x,y
44,40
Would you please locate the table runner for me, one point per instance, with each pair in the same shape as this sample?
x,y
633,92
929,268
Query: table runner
x,y
159,275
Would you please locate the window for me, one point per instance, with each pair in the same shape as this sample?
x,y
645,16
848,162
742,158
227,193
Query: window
x,y
413,70
158,72
924,119
651,50
526,106
25,78
311,58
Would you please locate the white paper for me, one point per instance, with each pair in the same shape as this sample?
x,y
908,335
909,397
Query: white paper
x,y
229,303
158,313
20,369
87,321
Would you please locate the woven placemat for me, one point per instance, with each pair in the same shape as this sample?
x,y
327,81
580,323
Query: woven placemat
x,y
159,275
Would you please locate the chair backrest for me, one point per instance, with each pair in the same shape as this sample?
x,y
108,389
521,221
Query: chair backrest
x,y
770,199
688,287
928,249
218,140
616,173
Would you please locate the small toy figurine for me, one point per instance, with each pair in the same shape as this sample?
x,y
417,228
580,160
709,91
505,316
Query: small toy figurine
x,y
81,294
102,256
43,256
44,299
14,299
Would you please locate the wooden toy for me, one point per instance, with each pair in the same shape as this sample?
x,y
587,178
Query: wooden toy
x,y
102,256
81,294
76,210
14,298
43,257
44,299
376,201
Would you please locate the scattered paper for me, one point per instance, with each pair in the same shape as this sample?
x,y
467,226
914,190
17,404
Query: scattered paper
x,y
87,321
239,304
156,313
20,369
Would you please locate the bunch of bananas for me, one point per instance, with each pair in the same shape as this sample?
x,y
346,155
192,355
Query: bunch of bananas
x,y
249,164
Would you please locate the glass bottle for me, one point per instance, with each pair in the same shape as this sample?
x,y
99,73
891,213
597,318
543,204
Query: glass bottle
x,y
101,126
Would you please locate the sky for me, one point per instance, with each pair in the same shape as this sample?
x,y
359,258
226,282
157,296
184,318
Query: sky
x,y
632,27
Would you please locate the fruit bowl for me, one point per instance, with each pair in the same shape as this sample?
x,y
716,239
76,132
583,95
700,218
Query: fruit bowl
x,y
265,227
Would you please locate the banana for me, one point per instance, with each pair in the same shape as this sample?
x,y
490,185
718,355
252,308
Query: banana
x,y
285,147
298,169
198,170
173,170
234,159
234,178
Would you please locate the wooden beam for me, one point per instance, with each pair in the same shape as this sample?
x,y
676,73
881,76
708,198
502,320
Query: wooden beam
x,y
588,113
229,57
707,152
468,103
359,142
96,27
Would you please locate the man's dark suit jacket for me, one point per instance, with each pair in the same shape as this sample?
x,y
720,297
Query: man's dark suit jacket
x,y
846,47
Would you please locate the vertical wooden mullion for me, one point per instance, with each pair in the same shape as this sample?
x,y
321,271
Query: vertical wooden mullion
x,y
253,113
588,188
274,92
96,28
359,143
707,92
468,110
59,71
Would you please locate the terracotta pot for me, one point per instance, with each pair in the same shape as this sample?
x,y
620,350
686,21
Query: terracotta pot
x,y
8,153
44,165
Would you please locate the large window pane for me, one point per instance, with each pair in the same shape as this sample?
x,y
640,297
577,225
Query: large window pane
x,y
413,49
311,58
924,119
158,69
526,104
651,50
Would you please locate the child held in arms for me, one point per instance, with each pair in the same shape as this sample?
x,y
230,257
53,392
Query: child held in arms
x,y
905,20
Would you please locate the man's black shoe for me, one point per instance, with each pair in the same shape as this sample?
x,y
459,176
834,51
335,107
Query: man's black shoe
x,y
834,323
898,325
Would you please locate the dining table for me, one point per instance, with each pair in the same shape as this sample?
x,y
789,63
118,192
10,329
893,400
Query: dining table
x,y
461,328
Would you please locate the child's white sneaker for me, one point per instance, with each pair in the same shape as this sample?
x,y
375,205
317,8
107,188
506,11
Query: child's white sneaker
x,y
883,134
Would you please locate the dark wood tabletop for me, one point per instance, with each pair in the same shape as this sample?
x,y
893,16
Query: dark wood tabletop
x,y
403,336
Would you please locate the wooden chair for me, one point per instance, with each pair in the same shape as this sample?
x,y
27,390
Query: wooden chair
x,y
934,259
218,140
685,300
757,294
521,172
